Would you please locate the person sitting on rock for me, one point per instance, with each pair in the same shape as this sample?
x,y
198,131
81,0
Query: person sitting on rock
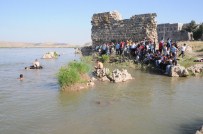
x,y
36,63
99,69
99,65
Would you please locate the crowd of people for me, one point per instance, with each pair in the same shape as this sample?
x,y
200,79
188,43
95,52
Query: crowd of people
x,y
163,56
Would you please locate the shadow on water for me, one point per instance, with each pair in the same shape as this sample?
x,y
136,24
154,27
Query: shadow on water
x,y
52,86
191,127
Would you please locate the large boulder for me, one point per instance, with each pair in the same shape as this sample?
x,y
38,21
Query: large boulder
x,y
47,56
178,71
77,51
86,51
197,68
116,75
50,55
199,131
126,76
189,49
102,72
121,76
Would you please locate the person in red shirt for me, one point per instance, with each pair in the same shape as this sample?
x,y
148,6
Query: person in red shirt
x,y
161,44
122,46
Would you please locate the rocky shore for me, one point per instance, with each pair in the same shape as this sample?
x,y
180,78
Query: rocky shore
x,y
199,131
194,69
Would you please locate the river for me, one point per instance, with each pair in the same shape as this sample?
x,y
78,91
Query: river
x,y
149,104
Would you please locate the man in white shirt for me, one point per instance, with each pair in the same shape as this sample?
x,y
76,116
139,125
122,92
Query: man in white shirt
x,y
183,48
36,63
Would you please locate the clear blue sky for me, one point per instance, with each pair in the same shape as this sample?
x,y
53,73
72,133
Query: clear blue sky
x,y
70,21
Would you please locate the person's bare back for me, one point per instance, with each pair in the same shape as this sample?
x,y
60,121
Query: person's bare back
x,y
99,65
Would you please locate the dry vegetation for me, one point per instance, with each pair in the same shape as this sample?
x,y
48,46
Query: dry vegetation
x,y
197,47
188,60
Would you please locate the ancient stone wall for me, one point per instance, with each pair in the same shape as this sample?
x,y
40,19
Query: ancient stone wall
x,y
173,31
176,36
110,26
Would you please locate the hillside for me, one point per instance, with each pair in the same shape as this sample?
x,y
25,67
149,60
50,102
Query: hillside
x,y
24,44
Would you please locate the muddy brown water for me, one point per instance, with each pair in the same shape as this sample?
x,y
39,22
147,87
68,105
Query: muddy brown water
x,y
150,103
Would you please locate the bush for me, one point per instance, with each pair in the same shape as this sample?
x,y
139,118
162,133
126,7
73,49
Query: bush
x,y
197,34
55,54
71,73
104,58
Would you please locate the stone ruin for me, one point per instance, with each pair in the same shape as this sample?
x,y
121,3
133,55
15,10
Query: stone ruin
x,y
110,26
174,31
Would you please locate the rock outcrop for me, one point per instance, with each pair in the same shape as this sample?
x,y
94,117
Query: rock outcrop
x,y
196,69
189,49
86,51
121,76
114,76
77,51
50,55
199,131
178,71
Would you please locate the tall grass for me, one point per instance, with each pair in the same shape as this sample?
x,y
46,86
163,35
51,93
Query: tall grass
x,y
80,67
104,58
87,59
72,73
55,54
187,61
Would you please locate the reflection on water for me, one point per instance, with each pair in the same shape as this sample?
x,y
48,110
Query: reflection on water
x,y
148,104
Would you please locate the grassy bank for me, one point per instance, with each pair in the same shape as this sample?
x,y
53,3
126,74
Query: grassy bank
x,y
72,74
187,61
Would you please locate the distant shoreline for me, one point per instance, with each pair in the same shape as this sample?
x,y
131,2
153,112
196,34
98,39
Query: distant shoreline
x,y
43,47
4,44
7,44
